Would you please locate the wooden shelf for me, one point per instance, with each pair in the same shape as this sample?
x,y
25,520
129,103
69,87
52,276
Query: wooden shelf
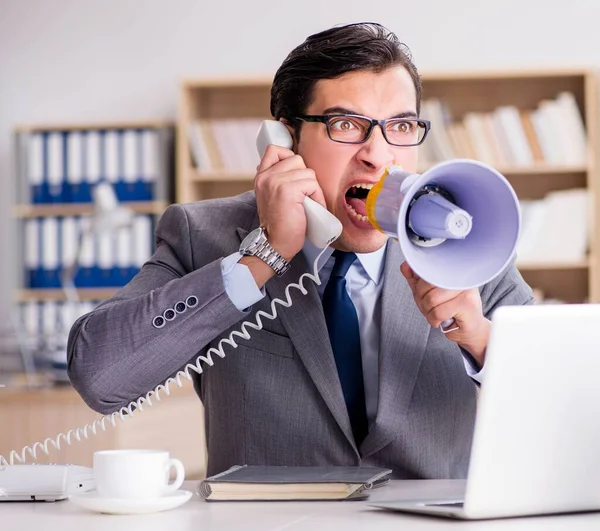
x,y
80,209
554,266
151,124
52,294
541,169
197,176
227,82
516,73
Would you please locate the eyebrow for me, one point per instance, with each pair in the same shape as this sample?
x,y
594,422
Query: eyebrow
x,y
343,110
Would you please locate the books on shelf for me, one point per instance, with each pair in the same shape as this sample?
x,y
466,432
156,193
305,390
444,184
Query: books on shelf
x,y
105,260
58,167
63,166
552,134
225,145
293,483
556,229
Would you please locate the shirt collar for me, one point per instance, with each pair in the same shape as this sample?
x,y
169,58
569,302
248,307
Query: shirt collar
x,y
372,263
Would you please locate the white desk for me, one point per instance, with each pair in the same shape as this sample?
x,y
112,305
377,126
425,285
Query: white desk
x,y
198,515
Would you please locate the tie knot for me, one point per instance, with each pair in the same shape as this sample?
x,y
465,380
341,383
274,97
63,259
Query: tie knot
x,y
343,261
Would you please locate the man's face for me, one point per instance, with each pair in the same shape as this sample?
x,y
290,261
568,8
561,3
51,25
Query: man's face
x,y
339,167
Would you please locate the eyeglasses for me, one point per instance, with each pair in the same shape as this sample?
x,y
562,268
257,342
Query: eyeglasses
x,y
356,129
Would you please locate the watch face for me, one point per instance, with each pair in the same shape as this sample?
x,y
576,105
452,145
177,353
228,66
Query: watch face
x,y
251,239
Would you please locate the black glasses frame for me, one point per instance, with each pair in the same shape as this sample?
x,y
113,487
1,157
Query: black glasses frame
x,y
325,118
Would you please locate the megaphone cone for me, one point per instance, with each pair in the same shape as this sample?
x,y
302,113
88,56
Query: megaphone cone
x,y
457,223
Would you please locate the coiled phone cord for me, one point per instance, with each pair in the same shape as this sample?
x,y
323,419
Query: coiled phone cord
x,y
126,412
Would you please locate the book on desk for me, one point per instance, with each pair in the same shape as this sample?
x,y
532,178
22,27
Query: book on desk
x,y
243,482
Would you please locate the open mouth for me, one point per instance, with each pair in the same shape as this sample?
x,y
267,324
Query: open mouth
x,y
356,197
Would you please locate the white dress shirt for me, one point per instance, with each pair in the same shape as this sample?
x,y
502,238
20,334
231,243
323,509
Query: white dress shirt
x,y
363,284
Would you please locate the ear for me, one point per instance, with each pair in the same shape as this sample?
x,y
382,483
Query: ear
x,y
292,131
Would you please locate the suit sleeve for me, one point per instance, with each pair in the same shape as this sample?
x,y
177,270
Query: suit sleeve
x,y
119,351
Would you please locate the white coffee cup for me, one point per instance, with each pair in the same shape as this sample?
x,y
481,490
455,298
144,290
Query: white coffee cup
x,y
136,473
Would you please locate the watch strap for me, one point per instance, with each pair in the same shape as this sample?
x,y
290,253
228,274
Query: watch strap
x,y
263,250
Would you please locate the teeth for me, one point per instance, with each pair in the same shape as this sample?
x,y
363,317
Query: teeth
x,y
365,186
355,214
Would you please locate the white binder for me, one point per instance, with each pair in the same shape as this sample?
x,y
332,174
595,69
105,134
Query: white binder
x,y
124,255
69,236
75,167
50,252
106,259
111,156
149,162
142,238
32,251
35,170
55,167
87,257
130,166
92,157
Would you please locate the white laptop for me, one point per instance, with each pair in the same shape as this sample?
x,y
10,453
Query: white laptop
x,y
536,446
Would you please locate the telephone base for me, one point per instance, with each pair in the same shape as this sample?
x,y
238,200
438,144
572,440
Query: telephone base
x,y
43,481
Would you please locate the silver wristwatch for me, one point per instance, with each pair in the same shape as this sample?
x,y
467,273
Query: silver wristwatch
x,y
256,244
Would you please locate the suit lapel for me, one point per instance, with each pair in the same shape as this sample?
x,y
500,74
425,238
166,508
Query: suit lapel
x,y
404,334
305,323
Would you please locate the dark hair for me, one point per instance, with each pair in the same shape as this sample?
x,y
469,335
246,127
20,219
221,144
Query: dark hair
x,y
330,54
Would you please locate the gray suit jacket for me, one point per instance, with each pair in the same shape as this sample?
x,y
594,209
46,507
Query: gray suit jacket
x,y
277,399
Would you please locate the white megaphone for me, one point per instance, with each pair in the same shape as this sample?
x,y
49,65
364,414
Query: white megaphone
x,y
457,223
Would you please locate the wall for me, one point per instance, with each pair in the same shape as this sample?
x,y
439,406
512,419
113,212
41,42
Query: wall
x,y
116,60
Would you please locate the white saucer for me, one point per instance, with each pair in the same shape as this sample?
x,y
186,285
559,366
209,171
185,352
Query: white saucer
x,y
91,500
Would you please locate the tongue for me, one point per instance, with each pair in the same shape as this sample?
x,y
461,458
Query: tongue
x,y
358,205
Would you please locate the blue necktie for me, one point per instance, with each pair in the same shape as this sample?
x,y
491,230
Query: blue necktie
x,y
342,324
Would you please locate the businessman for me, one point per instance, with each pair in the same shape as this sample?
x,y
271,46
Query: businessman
x,y
357,370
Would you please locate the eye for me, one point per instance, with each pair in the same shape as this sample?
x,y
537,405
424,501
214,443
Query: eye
x,y
403,127
343,124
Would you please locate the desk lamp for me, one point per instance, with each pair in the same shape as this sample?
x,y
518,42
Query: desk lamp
x,y
107,216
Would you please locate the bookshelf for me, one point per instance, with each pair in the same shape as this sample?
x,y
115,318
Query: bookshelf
x,y
210,101
57,167
143,181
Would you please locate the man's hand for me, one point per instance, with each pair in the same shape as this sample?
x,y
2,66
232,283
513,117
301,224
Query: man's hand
x,y
281,184
439,305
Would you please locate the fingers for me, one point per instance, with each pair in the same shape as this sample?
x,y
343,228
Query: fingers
x,y
408,273
417,285
275,185
294,162
285,167
281,186
274,154
443,311
436,304
437,297
293,186
423,289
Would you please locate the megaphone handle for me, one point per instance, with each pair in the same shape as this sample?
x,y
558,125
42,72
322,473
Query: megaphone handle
x,y
444,327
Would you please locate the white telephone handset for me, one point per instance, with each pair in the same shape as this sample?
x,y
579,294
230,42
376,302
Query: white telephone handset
x,y
322,227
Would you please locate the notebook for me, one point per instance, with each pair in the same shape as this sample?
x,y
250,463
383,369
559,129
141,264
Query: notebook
x,y
293,483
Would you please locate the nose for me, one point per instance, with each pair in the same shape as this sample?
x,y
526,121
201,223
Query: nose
x,y
376,154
